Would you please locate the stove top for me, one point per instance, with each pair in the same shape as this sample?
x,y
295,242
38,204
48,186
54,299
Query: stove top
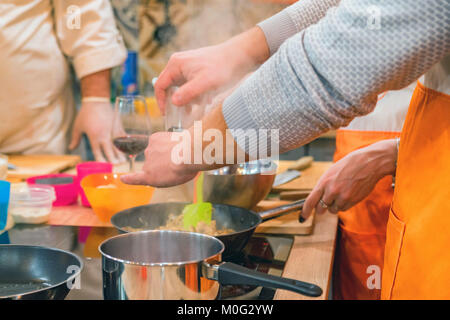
x,y
263,253
267,254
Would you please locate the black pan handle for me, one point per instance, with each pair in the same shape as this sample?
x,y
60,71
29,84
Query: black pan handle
x,y
281,210
230,273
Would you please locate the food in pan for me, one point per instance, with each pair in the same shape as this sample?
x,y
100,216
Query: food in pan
x,y
175,223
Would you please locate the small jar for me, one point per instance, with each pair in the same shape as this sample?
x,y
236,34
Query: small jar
x,y
31,204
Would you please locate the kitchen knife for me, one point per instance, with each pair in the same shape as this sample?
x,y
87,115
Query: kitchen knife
x,y
293,171
285,177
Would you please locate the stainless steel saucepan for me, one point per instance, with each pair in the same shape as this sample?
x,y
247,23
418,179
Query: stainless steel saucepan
x,y
174,265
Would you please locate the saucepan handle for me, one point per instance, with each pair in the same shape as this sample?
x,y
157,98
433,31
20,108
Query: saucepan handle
x,y
281,210
230,273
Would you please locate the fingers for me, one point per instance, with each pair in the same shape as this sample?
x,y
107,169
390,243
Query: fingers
x,y
322,199
191,91
96,147
170,76
119,155
107,149
340,203
109,152
97,151
139,178
327,202
76,138
311,202
161,99
322,205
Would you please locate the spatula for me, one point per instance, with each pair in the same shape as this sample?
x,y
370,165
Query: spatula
x,y
199,210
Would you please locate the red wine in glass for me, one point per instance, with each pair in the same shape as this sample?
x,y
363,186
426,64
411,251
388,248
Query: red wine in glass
x,y
131,126
131,145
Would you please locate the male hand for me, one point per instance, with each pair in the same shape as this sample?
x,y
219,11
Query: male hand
x,y
352,178
203,73
163,168
159,169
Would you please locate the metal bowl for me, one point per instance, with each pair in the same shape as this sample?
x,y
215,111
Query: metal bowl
x,y
242,185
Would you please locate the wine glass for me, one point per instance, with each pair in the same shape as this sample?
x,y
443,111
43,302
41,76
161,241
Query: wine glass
x,y
131,126
178,118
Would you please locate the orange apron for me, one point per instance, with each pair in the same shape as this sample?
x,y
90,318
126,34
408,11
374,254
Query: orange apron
x,y
417,255
362,229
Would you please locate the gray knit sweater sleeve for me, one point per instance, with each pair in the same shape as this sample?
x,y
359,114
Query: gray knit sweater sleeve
x,y
293,19
332,72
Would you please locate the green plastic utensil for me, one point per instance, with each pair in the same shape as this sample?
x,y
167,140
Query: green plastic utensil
x,y
198,211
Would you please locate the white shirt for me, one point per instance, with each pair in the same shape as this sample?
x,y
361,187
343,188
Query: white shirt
x,y
438,77
389,113
38,39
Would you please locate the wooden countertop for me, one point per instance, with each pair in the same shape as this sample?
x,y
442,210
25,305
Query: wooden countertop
x,y
311,258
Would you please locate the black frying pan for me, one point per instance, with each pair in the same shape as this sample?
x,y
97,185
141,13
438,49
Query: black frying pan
x,y
243,221
34,272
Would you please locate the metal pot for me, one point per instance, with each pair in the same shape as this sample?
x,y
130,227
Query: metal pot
x,y
242,185
173,265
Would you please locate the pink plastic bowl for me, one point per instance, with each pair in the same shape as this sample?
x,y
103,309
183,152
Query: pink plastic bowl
x,y
87,168
66,194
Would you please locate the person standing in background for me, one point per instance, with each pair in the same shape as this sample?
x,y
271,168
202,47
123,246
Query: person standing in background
x,y
38,40
319,79
362,228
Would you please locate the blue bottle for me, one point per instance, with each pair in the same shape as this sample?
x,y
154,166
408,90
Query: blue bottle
x,y
129,81
5,187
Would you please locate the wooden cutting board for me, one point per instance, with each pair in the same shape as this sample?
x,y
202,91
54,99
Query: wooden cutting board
x,y
308,178
34,165
75,215
287,224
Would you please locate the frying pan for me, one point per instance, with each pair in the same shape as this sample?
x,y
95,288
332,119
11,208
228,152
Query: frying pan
x,y
35,272
242,221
